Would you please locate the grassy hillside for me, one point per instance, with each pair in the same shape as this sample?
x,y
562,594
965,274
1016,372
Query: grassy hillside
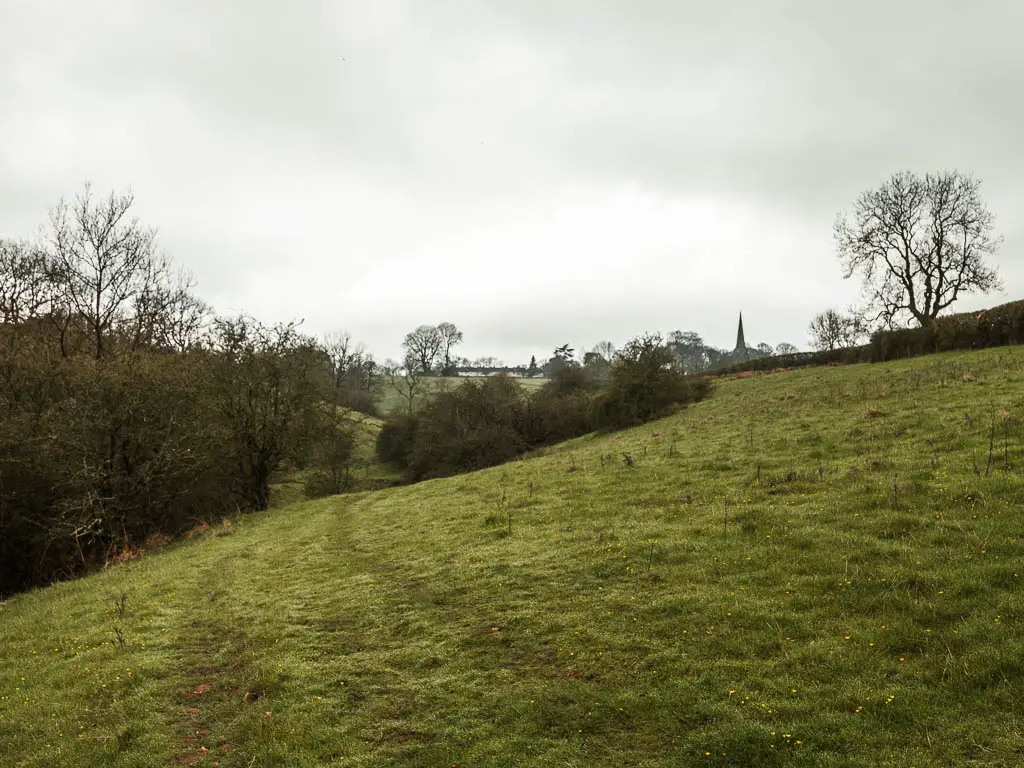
x,y
819,568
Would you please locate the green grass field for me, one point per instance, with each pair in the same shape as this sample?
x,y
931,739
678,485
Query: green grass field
x,y
814,568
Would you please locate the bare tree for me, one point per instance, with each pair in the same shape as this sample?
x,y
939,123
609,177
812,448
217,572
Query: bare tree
x,y
103,262
487,361
341,350
605,349
186,319
918,244
830,330
689,350
422,346
406,379
353,368
167,315
268,386
450,338
24,282
785,348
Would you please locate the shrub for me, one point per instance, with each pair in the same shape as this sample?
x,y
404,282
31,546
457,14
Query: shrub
x,y
560,409
471,427
362,400
569,380
97,456
551,418
332,456
644,384
396,439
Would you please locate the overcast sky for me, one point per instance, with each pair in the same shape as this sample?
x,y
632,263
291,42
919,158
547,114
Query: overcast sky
x,y
535,171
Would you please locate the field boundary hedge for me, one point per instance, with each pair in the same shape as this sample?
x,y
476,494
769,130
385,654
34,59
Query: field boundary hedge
x,y
994,327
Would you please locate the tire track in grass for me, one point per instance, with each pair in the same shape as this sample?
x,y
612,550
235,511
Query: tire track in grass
x,y
214,655
236,609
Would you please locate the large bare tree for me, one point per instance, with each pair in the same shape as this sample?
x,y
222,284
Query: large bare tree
x,y
450,337
341,351
918,243
406,379
104,262
422,347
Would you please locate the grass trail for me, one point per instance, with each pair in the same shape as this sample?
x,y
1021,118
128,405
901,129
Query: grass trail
x,y
817,568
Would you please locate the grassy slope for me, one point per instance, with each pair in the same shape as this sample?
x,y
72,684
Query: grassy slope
x,y
620,623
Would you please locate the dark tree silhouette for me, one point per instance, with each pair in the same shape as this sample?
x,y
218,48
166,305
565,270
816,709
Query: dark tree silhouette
x,y
918,244
422,347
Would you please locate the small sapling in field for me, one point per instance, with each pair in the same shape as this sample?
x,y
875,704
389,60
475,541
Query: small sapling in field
x,y
120,611
1005,416
121,605
991,444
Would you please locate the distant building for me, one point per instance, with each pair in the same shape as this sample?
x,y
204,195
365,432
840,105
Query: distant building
x,y
740,353
479,372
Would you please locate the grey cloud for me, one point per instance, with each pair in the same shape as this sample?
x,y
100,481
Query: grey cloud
x,y
305,159
801,100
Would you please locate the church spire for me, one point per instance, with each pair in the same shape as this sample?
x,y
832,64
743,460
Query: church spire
x,y
741,344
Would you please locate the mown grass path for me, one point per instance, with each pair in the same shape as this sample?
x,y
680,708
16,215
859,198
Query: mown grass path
x,y
819,568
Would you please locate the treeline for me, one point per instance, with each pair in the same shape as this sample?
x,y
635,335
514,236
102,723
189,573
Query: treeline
x,y
128,411
481,424
993,327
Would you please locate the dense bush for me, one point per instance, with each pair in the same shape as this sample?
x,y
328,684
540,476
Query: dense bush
x,y
560,409
474,426
552,418
644,383
570,380
332,460
362,400
126,414
397,437
482,424
99,455
273,396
